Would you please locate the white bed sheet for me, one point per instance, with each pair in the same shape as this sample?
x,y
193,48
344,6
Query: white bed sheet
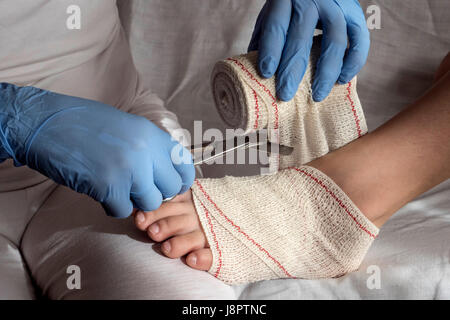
x,y
176,43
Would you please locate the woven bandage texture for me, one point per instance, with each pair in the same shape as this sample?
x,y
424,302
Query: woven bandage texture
x,y
247,101
296,223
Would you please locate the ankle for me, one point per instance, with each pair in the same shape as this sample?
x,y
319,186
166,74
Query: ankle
x,y
348,168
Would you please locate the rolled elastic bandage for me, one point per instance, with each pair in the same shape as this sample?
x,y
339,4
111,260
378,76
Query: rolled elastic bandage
x,y
296,223
247,101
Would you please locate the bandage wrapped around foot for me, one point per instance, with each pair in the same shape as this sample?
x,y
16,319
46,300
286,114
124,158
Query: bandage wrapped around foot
x,y
296,223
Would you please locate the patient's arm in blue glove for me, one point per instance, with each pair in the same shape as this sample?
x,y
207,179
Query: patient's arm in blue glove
x,y
119,159
283,35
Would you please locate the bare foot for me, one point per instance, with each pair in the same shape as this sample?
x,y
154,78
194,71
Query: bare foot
x,y
177,226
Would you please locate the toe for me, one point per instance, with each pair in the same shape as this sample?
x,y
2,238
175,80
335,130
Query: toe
x,y
144,219
172,226
200,259
179,246
140,220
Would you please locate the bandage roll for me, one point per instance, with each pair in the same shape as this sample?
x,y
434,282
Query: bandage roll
x,y
236,101
246,100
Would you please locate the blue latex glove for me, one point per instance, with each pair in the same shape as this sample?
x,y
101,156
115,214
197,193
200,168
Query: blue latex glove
x,y
283,35
119,159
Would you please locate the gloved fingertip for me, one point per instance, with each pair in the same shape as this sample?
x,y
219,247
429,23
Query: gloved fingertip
x,y
321,89
320,94
118,210
317,97
287,85
184,188
285,94
343,79
148,201
149,206
267,67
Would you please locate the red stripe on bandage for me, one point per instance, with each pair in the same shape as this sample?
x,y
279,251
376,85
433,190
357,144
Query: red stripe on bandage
x,y
355,115
242,232
339,201
266,90
252,77
256,110
219,267
274,100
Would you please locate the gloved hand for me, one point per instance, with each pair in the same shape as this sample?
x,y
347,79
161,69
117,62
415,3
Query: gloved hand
x,y
119,159
283,35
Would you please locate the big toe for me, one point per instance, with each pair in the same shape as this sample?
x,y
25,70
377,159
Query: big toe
x,y
200,259
172,226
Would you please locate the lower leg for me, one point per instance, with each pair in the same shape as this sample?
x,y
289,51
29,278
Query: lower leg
x,y
402,159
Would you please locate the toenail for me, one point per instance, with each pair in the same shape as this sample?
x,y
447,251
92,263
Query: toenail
x,y
154,228
140,217
165,247
193,259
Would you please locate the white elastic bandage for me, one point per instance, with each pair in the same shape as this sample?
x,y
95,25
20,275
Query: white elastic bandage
x,y
245,100
297,222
